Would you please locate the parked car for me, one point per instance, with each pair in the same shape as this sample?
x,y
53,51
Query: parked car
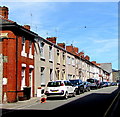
x,y
101,85
105,84
87,86
109,83
94,83
60,88
114,84
79,86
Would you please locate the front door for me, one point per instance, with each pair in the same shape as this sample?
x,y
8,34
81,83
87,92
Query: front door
x,y
31,81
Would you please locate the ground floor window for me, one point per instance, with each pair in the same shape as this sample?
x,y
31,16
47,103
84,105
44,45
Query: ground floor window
x,y
69,77
51,74
23,78
42,76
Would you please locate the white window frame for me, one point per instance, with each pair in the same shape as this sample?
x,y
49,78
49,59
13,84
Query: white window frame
x,y
73,61
58,56
42,75
50,53
30,50
23,53
42,50
68,60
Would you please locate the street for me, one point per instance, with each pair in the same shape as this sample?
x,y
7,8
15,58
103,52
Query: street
x,y
94,103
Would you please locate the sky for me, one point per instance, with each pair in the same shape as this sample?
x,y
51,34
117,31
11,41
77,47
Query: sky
x,y
90,26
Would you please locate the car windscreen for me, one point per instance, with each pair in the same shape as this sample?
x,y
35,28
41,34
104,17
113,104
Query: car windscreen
x,y
90,80
54,84
75,82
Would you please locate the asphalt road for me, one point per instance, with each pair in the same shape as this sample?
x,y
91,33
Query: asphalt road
x,y
90,104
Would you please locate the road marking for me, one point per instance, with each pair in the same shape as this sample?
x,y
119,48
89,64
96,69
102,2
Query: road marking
x,y
111,104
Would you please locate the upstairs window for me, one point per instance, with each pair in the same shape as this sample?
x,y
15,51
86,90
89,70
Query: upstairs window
x,y
68,60
63,58
42,76
42,49
30,50
23,53
50,53
73,61
58,56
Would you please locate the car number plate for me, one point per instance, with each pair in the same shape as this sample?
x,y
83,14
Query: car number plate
x,y
54,90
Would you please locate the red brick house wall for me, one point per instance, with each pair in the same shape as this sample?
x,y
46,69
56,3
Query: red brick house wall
x,y
11,48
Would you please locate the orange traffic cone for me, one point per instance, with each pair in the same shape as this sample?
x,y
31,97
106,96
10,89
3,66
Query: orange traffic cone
x,y
43,99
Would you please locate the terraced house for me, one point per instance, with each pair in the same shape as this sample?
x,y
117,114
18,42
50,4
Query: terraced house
x,y
28,61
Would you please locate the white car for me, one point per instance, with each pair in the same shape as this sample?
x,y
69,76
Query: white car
x,y
60,88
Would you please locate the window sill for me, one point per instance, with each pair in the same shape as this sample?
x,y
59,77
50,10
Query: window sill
x,y
42,58
58,63
51,61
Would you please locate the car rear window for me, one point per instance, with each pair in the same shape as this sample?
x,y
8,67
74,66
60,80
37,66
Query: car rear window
x,y
54,84
75,82
90,80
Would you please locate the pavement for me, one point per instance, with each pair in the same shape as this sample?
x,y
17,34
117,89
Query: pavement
x,y
20,104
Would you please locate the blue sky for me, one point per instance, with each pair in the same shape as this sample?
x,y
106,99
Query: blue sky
x,y
91,26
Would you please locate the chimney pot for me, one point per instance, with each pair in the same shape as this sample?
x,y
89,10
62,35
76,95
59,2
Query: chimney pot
x,y
81,54
27,27
4,11
87,57
61,45
52,39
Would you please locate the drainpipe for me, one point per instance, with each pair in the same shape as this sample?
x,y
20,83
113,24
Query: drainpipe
x,y
1,71
16,67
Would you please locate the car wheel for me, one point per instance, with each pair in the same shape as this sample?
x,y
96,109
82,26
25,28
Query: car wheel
x,y
74,93
78,92
66,95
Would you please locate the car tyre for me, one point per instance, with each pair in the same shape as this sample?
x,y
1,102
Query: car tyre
x,y
66,95
74,93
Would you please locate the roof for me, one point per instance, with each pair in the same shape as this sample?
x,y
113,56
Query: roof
x,y
6,24
106,66
5,21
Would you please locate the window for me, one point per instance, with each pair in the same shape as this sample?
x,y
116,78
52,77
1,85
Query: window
x,y
50,53
42,49
68,60
63,74
63,58
58,74
23,78
23,53
58,56
42,76
69,77
30,50
51,75
73,61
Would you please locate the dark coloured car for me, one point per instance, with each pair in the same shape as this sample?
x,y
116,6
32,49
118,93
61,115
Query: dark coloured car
x,y
79,86
87,86
94,83
114,84
105,84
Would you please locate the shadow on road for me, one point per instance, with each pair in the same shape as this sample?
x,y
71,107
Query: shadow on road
x,y
93,105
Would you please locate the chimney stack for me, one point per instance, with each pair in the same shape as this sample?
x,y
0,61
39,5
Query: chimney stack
x,y
76,49
4,11
87,57
52,39
81,54
27,27
94,62
69,48
61,45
